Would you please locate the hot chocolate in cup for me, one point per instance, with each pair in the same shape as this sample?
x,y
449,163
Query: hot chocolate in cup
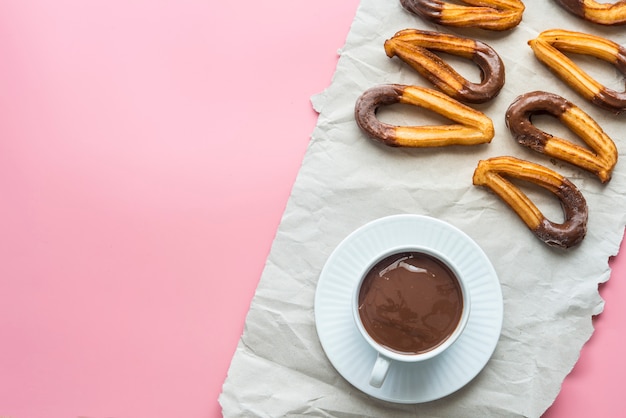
x,y
410,305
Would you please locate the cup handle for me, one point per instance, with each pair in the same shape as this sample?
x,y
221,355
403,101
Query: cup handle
x,y
379,371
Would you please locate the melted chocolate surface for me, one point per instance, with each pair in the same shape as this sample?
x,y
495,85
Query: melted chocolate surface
x,y
410,302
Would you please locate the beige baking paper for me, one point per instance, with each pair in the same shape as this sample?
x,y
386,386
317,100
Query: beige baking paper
x,y
346,180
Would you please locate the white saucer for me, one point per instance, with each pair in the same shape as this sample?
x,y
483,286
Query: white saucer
x,y
354,358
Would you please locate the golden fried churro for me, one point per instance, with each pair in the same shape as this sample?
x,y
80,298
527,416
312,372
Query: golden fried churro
x,y
601,13
496,15
599,161
492,174
414,48
472,127
549,48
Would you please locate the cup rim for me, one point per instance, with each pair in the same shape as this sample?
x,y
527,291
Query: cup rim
x,y
443,346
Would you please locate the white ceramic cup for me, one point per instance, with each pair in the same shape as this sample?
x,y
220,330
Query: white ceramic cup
x,y
385,355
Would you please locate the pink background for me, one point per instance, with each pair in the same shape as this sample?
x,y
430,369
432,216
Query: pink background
x,y
147,151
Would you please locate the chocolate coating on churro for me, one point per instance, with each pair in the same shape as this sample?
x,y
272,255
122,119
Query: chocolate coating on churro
x,y
573,230
414,47
519,114
367,106
610,99
573,6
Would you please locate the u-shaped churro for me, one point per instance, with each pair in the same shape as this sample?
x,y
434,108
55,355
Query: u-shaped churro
x,y
492,173
548,47
414,47
601,13
602,157
472,127
496,15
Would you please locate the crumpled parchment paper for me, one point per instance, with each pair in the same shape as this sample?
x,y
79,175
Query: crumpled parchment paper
x,y
346,180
